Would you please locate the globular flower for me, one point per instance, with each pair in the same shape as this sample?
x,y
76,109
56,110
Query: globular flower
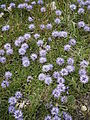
x,y
42,53
26,62
22,51
61,87
33,2
31,27
27,36
70,68
56,93
81,24
40,2
7,46
60,80
5,28
82,72
42,26
60,61
64,99
49,39
62,34
70,61
12,5
4,84
11,109
41,76
48,117
8,75
49,26
57,20
64,72
40,43
25,46
66,116
50,66
3,60
36,36
55,111
72,42
67,47
58,12
30,19
55,34
17,43
47,47
29,78
84,79
43,9
3,6
18,94
42,60
29,7
48,80
33,56
56,118
73,7
88,7
12,100
56,74
53,5
9,51
81,11
87,28
18,114
2,52
84,64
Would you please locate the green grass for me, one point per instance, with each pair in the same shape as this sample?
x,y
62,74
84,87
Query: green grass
x,y
37,92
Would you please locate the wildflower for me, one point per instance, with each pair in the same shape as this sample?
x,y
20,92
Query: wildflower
x,y
3,6
53,5
12,100
50,66
81,11
42,53
84,79
81,24
33,56
56,118
55,34
31,26
61,87
60,80
48,118
64,99
40,2
17,43
40,43
58,12
49,39
18,94
55,111
70,61
42,26
48,80
5,28
82,72
60,61
7,46
27,36
36,36
2,52
26,63
30,19
88,8
3,60
22,51
42,60
73,7
21,38
11,109
29,7
29,78
33,3
62,34
57,20
43,9
18,114
24,46
4,84
41,76
1,14
84,64
47,47
56,74
56,93
67,47
8,75
49,26
70,68
87,28
66,116
12,5
72,42
9,52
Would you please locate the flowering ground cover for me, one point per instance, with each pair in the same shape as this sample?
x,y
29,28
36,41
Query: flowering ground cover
x,y
44,60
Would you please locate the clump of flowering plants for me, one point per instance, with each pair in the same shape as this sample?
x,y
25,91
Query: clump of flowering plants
x,y
44,59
